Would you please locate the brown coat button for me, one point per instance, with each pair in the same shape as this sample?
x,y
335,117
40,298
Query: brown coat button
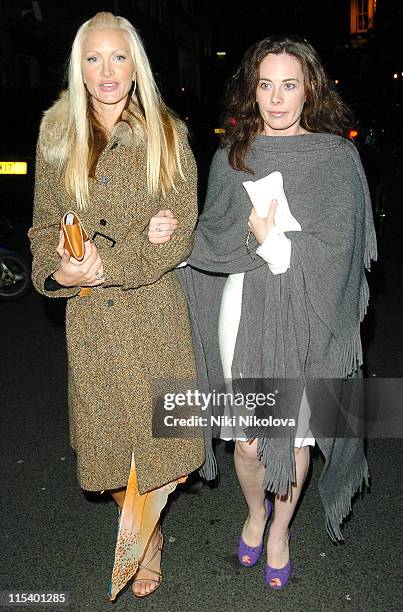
x,y
109,302
102,222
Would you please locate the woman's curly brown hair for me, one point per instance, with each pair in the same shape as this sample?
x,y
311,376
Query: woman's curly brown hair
x,y
324,110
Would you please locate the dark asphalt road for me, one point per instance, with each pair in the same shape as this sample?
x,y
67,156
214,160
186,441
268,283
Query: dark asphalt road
x,y
54,538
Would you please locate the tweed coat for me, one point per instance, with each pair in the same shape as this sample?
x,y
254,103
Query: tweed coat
x,y
132,330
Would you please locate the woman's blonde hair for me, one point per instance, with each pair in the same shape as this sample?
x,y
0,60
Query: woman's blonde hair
x,y
84,132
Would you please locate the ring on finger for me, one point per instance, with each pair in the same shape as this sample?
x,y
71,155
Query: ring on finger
x,y
99,276
158,228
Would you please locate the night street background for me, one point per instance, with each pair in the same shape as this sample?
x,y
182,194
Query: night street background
x,y
53,536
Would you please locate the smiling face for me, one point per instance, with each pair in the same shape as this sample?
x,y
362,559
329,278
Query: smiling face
x,y
107,69
280,94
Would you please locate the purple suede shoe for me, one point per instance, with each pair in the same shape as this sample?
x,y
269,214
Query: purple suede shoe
x,y
249,555
282,575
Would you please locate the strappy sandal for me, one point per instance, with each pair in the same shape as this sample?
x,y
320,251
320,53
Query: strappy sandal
x,y
158,579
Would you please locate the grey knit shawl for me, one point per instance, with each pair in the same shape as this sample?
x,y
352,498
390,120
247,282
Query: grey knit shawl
x,y
305,323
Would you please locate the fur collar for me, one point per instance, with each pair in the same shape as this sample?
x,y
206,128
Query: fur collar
x,y
53,143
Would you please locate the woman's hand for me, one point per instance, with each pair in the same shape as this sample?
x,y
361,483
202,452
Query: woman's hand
x,y
261,227
74,273
161,227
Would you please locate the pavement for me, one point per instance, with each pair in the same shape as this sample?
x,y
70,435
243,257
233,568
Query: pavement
x,y
55,538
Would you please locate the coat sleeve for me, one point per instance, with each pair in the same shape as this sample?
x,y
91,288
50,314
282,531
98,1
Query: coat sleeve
x,y
136,262
44,233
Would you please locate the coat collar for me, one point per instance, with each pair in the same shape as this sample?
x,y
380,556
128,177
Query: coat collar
x,y
53,143
127,131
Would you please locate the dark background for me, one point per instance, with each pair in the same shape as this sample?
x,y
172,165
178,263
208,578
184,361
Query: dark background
x,y
182,38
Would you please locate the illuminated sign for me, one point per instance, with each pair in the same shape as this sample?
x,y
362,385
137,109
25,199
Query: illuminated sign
x,y
13,167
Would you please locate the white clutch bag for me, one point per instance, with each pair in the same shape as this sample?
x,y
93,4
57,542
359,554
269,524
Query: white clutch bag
x,y
269,188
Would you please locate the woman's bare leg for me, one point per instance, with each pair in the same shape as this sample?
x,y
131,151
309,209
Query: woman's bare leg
x,y
250,472
284,507
119,496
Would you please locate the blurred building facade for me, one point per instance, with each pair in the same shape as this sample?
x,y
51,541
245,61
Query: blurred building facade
x,y
368,59
195,45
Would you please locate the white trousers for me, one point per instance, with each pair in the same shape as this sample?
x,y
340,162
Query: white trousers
x,y
230,316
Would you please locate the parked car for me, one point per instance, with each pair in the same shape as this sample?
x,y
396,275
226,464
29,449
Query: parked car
x,y
15,269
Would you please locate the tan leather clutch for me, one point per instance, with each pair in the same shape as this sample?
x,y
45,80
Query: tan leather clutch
x,y
74,238
74,235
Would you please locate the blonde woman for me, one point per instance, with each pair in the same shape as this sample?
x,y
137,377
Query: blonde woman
x,y
110,150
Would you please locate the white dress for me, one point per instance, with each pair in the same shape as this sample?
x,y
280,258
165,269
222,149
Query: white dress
x,y
230,316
